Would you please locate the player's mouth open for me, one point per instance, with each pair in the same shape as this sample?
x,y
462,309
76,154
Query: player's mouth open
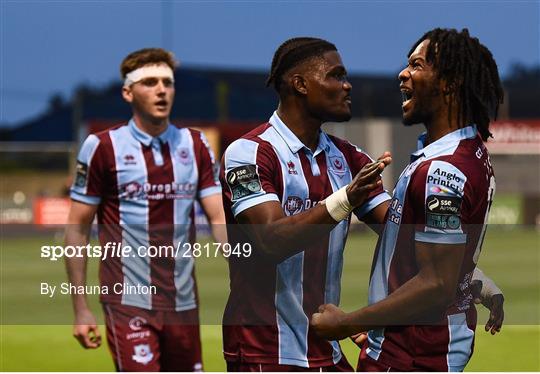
x,y
406,97
161,104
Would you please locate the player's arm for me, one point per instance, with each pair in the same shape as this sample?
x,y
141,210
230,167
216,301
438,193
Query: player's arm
x,y
423,297
373,214
209,188
282,236
212,206
80,219
375,218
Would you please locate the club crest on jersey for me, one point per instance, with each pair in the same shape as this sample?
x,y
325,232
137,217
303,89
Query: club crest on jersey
x,y
143,354
293,205
337,165
292,168
183,155
131,190
136,323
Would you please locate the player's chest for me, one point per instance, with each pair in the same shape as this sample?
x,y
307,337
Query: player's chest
x,y
146,173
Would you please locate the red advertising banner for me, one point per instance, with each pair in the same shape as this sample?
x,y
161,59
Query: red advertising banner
x,y
51,210
515,137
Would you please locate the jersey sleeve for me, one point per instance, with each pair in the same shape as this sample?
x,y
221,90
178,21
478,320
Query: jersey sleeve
x,y
248,178
437,194
358,159
207,166
89,178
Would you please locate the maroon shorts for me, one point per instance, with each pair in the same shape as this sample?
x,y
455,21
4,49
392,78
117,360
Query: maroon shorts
x,y
149,340
342,365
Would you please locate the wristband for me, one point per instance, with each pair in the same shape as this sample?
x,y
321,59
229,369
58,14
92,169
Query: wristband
x,y
338,205
489,288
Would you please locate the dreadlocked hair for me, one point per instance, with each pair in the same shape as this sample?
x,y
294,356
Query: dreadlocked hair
x,y
470,72
291,53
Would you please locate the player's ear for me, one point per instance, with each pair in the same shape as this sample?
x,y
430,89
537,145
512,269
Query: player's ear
x,y
298,84
127,94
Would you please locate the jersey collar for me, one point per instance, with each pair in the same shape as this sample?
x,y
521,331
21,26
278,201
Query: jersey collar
x,y
448,141
145,138
292,140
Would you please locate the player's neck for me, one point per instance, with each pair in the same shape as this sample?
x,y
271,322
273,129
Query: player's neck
x,y
303,126
153,128
440,126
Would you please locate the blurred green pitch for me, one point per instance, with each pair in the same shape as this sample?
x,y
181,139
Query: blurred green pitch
x,y
511,257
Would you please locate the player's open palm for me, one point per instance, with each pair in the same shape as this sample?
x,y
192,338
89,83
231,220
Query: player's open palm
x,y
85,330
367,180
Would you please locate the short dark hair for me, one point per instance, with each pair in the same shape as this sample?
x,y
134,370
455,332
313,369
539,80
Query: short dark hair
x,y
291,53
471,73
146,56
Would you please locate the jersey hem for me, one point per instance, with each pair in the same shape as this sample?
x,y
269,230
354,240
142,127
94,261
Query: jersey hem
x,y
86,199
440,238
184,308
372,204
243,205
275,360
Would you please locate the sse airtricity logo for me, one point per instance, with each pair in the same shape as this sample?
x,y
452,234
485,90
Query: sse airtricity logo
x,y
433,203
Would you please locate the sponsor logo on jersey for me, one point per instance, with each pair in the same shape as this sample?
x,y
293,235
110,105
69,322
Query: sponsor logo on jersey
x,y
130,160
395,211
479,153
81,173
443,204
292,168
243,181
293,205
138,335
442,212
143,354
446,180
136,323
158,191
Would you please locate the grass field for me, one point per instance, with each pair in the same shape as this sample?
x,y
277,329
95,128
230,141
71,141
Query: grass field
x,y
35,334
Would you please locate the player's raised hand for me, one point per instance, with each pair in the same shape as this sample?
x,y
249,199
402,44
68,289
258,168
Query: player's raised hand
x,y
367,180
85,330
327,323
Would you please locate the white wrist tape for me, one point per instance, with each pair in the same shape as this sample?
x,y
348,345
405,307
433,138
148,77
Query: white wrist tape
x,y
338,205
489,288
148,71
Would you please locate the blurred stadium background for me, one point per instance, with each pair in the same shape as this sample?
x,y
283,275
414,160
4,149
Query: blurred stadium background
x,y
36,165
36,168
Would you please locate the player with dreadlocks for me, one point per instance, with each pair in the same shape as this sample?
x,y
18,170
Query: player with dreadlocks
x,y
421,315
293,188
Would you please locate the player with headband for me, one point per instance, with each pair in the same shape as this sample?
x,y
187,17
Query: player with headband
x,y
141,179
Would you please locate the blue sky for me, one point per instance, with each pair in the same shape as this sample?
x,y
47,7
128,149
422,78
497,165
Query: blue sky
x,y
52,46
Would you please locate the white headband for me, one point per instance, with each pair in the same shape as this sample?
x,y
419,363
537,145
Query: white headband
x,y
148,71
